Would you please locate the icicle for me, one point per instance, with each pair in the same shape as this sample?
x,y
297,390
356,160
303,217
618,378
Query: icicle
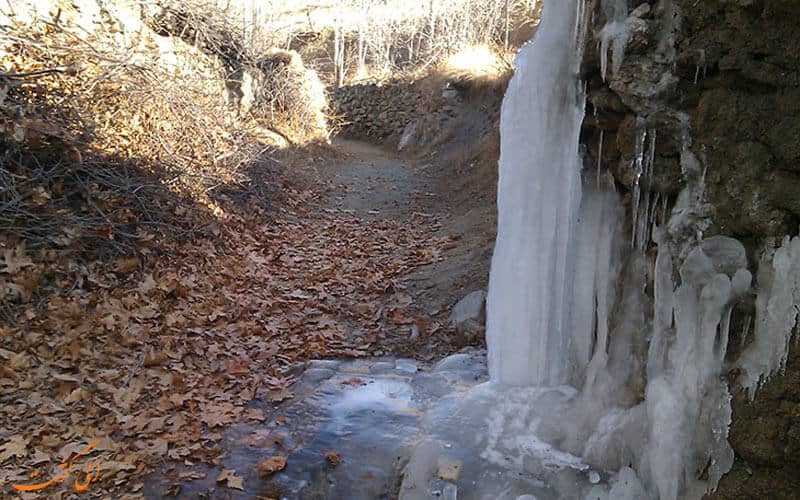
x,y
688,406
599,155
614,35
644,170
596,261
748,321
663,305
654,214
700,64
638,168
666,35
651,158
777,305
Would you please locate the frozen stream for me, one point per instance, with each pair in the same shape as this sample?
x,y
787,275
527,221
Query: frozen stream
x,y
401,428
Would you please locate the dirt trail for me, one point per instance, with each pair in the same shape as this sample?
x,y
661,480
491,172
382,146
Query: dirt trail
x,y
444,206
371,182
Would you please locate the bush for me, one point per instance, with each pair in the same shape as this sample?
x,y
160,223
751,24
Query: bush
x,y
289,97
100,133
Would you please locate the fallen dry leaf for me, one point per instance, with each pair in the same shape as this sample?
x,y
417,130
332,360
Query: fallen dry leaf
x,y
271,465
449,469
278,395
353,381
14,259
255,414
17,446
173,490
231,480
187,331
333,457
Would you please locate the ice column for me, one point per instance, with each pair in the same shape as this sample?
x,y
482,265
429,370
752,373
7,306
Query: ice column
x,y
614,35
688,403
777,306
539,195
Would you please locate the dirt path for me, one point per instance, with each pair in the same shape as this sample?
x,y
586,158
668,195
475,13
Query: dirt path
x,y
371,183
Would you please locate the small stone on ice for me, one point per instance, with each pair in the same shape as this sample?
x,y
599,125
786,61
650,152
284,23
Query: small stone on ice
x,y
594,477
470,308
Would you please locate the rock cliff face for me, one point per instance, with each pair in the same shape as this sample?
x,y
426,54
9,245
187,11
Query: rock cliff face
x,y
721,78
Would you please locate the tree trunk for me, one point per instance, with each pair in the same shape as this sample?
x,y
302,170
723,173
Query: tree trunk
x,y
508,23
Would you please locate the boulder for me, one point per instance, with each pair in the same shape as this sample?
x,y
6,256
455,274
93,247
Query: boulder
x,y
468,315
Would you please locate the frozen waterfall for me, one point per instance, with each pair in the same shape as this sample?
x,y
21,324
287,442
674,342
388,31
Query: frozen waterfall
x,y
538,199
604,357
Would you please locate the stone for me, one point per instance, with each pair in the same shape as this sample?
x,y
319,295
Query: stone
x,y
605,100
450,492
470,308
460,361
404,365
409,134
420,469
381,367
315,375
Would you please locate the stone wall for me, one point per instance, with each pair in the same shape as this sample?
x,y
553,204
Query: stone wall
x,y
381,112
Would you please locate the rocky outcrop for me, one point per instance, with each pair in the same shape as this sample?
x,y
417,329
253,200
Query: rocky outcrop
x,y
734,69
745,109
720,78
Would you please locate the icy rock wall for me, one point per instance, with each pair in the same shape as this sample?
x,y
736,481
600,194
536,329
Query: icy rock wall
x,y
558,314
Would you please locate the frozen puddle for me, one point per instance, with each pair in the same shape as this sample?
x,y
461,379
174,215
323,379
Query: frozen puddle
x,y
401,429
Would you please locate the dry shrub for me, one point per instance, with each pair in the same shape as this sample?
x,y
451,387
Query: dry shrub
x,y
477,71
379,38
99,140
286,94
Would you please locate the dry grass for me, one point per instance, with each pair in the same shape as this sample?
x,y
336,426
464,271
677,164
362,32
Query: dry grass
x,y
353,40
288,96
477,70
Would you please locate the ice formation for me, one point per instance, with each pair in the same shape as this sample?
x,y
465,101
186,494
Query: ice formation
x,y
777,307
622,354
614,35
540,190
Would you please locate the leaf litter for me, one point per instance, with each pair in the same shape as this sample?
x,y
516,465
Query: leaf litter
x,y
157,352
